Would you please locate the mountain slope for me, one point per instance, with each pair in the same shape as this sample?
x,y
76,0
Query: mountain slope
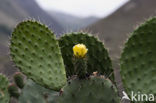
x,y
70,22
114,29
13,11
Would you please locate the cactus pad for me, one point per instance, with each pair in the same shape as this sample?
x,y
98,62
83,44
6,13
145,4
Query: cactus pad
x,y
35,51
13,91
34,93
94,90
98,59
19,79
4,94
138,60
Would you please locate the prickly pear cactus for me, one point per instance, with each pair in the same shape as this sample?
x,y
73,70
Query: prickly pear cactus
x,y
98,59
4,94
34,93
13,91
80,66
19,79
138,60
93,90
35,51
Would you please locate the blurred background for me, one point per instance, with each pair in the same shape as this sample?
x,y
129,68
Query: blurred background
x,y
111,20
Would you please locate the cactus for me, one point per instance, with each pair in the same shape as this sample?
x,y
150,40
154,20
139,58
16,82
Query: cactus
x,y
19,80
13,91
80,67
34,93
35,51
138,60
80,60
98,59
4,94
92,90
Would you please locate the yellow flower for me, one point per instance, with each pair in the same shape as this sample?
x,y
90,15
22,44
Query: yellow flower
x,y
80,50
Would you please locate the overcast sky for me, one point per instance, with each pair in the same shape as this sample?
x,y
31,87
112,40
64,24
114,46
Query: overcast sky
x,y
83,8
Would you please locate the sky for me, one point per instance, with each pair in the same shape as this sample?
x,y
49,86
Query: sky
x,y
83,8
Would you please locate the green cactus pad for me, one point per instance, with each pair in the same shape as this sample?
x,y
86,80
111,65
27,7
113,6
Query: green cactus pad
x,y
34,93
19,79
94,90
98,59
138,60
13,91
4,94
35,51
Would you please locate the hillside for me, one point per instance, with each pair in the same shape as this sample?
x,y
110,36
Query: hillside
x,y
19,10
114,29
70,22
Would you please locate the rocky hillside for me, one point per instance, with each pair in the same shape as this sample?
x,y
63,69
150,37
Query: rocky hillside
x,y
114,29
13,11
